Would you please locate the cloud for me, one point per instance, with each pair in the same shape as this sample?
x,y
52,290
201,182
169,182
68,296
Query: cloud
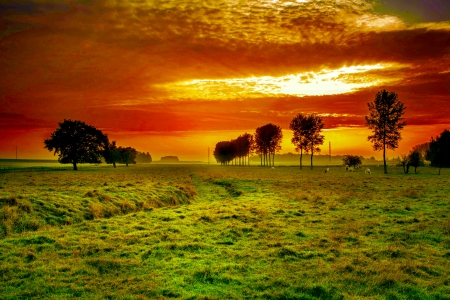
x,y
123,65
19,122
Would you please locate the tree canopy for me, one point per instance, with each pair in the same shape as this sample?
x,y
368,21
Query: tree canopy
x,y
385,121
439,151
268,141
299,127
224,152
307,129
415,159
76,142
352,160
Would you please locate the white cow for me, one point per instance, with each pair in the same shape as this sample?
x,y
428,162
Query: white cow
x,y
327,170
346,167
367,171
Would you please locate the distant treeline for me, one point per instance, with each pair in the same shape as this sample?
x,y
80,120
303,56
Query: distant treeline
x,y
142,157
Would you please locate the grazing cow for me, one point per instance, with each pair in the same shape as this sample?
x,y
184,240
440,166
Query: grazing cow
x,y
273,168
327,170
367,171
346,167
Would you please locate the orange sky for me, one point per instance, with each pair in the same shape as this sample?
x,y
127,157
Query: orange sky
x,y
175,77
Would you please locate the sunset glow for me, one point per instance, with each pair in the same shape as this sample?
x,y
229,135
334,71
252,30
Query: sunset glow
x,y
159,75
325,82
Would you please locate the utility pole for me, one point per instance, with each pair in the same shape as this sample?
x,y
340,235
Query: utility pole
x,y
329,149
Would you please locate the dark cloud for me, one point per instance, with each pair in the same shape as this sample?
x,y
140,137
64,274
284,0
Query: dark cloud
x,y
19,122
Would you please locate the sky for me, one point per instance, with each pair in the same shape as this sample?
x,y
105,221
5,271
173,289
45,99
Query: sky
x,y
174,77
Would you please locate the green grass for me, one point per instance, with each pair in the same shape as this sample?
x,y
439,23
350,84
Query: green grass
x,y
210,232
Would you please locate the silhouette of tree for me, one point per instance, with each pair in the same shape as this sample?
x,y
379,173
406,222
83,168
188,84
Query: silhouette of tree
x,y
268,139
352,160
439,152
142,157
415,159
299,140
243,145
76,142
385,121
127,155
112,155
312,128
307,136
224,152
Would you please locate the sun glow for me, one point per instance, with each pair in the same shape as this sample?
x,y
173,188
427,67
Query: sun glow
x,y
325,82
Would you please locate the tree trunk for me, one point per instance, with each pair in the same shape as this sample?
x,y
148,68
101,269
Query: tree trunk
x,y
439,173
312,154
74,166
114,164
384,156
301,155
273,159
415,170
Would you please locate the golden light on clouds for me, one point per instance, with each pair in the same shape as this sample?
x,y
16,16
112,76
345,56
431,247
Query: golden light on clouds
x,y
160,71
325,82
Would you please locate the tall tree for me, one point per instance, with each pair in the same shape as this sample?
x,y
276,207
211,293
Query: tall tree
x,y
439,152
313,128
76,142
268,141
298,126
385,121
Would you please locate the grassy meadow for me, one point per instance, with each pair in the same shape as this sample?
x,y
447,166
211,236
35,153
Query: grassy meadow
x,y
211,232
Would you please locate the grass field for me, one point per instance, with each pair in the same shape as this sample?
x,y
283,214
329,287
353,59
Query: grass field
x,y
211,232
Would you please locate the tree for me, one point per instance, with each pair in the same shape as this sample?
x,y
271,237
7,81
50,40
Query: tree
x,y
112,154
127,155
243,145
268,141
439,152
352,160
224,152
313,128
76,142
386,122
415,159
298,126
142,157
404,161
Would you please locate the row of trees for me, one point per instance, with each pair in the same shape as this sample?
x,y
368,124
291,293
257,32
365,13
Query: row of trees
x,y
77,142
265,142
385,119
